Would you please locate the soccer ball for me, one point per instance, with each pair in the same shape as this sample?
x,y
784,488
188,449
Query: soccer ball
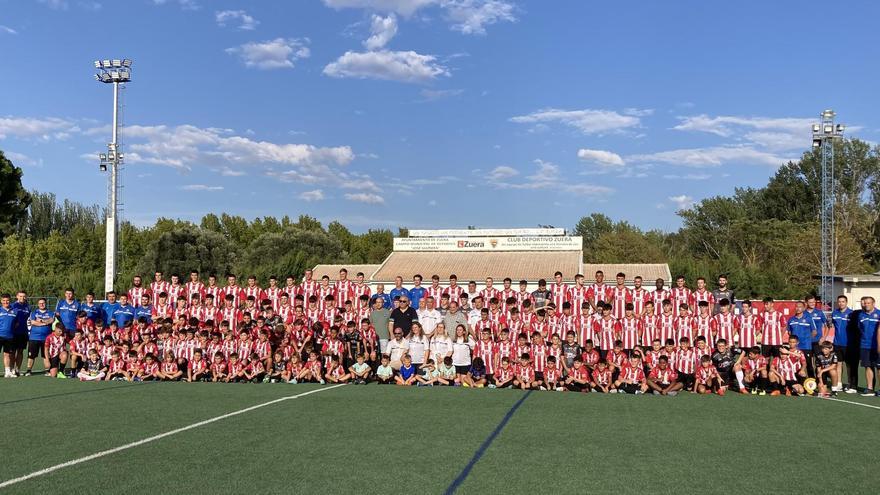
x,y
810,385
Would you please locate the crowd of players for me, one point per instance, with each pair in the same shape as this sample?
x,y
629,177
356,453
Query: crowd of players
x,y
584,337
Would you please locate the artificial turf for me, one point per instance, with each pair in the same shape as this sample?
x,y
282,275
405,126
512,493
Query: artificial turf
x,y
372,439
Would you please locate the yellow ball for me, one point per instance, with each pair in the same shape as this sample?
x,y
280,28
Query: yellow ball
x,y
810,385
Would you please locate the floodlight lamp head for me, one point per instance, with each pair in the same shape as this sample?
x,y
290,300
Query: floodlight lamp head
x,y
815,127
817,143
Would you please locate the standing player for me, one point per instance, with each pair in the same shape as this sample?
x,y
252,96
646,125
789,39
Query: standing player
x,y
621,295
868,320
722,292
774,331
843,320
660,294
701,294
137,291
599,292
157,286
750,326
194,287
680,294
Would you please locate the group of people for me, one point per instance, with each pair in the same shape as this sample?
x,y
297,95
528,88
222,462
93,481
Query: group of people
x,y
583,337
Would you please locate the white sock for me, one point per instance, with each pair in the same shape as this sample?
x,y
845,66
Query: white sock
x,y
739,378
8,371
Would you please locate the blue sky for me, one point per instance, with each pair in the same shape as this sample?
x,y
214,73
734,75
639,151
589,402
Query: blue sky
x,y
429,113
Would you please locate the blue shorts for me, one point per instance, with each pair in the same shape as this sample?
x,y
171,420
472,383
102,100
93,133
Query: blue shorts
x,y
869,358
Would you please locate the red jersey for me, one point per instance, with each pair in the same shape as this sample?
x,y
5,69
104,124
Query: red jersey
x,y
621,296
632,374
194,288
169,368
663,377
666,324
788,368
590,357
684,327
215,291
342,289
174,291
581,374
454,293
706,373
236,293
525,374
539,354
658,296
162,311
55,344
750,365
602,377
649,329
150,369
774,328
684,360
630,332
750,325
135,294
436,292
485,350
608,330
199,366
504,374
639,297
616,358
703,326
578,294
231,315
218,369
233,369
157,288
559,293
256,292
273,294
358,290
725,326
552,375
699,296
599,292
679,296
308,288
115,366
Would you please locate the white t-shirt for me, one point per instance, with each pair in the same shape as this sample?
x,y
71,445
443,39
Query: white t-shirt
x,y
461,352
429,320
417,348
396,350
440,347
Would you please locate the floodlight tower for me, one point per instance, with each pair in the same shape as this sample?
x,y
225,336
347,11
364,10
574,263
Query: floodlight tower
x,y
116,72
824,135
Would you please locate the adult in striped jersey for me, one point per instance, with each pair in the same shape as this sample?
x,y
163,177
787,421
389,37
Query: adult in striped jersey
x,y
454,290
435,290
158,286
137,291
660,294
506,293
680,294
291,289
725,324
649,324
214,290
559,290
701,294
358,290
666,322
578,294
775,329
253,290
175,289
630,328
523,295
621,295
489,292
639,296
750,326
238,296
703,324
308,285
194,287
342,288
599,292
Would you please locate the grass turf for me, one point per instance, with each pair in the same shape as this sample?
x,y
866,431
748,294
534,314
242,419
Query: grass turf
x,y
393,440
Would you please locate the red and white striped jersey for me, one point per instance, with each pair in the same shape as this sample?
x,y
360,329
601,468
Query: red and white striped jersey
x,y
454,293
217,292
522,297
599,292
292,291
115,366
333,347
343,292
135,294
616,358
485,350
106,351
150,369
630,331
587,329
539,357
650,329
632,374
185,349
218,369
560,293
196,367
699,296
788,368
256,292
244,348
684,327
487,294
503,296
157,288
679,296
503,374
706,373
699,352
663,377
703,326
169,368
175,291
621,296
233,369
658,296
436,292
286,313
308,288
774,328
55,344
180,311
358,290
725,326
313,315
557,352
750,325
231,315
581,374
504,349
263,348
685,360
552,375
323,291
591,357
194,288
525,374
602,377
160,311
607,329
639,297
578,294
235,291
754,365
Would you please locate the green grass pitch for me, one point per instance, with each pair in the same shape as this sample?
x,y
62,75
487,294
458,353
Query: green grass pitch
x,y
385,439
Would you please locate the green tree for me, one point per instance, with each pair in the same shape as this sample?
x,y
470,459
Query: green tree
x,y
14,199
186,248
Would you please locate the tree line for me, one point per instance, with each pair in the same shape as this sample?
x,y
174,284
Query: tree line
x,y
765,239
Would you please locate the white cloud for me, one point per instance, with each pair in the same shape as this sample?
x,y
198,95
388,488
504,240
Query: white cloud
x,y
56,4
201,187
184,4
44,128
712,157
382,29
638,112
501,173
245,22
316,195
587,121
280,53
369,198
770,133
687,177
403,7
601,157
437,94
404,66
548,176
228,172
682,201
472,16
20,159
432,202
7,30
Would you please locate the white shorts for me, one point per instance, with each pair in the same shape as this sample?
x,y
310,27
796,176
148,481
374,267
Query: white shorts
x,y
383,345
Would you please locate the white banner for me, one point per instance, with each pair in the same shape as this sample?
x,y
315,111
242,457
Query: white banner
x,y
515,243
486,232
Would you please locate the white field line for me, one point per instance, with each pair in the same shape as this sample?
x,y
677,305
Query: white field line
x,y
849,402
153,438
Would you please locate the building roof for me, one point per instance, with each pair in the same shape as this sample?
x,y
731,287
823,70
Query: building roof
x,y
856,278
518,265
332,271
648,271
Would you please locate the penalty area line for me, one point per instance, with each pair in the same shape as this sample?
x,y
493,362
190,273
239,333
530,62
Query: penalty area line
x,y
160,436
847,402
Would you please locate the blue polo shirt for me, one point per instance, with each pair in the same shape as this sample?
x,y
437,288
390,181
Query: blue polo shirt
x,y
819,320
66,312
22,313
92,311
124,315
868,328
386,300
395,292
802,326
108,312
39,333
7,321
145,311
841,326
415,295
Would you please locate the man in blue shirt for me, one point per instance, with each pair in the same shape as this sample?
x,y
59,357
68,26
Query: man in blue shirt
x,y
868,319
109,308
398,291
380,292
66,310
144,310
819,320
802,325
847,355
125,313
91,308
417,292
7,322
20,328
41,326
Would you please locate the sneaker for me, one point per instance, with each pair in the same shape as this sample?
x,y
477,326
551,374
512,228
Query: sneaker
x,y
543,388
849,390
836,388
877,394
639,392
867,393
491,385
465,385
762,392
560,389
672,394
321,382
612,391
61,376
722,391
28,373
292,381
754,391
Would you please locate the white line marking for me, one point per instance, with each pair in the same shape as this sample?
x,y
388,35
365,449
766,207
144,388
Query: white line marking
x,y
160,436
840,400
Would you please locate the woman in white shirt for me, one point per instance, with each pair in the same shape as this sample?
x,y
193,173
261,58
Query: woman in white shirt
x,y
418,345
462,345
441,344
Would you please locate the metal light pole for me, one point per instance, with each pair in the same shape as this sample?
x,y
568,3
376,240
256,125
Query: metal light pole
x,y
824,135
116,72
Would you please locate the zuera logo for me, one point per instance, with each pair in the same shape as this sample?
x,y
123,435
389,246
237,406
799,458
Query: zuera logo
x,y
470,244
493,242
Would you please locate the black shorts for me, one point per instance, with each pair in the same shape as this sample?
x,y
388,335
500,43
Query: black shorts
x,y
462,370
841,352
54,362
6,345
869,358
686,379
36,348
791,383
770,350
578,387
19,342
